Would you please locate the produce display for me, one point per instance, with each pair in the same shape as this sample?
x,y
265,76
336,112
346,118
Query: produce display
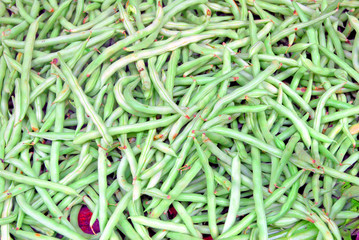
x,y
179,119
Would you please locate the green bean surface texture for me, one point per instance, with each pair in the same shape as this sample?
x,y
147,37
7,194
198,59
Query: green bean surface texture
x,y
179,119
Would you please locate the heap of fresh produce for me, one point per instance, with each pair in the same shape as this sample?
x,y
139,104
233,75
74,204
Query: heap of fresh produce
x,y
179,119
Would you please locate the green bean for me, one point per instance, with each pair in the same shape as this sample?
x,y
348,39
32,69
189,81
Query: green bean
x,y
98,121
121,44
210,190
267,202
12,192
241,91
94,42
5,229
161,89
340,114
26,67
176,190
115,216
301,128
238,109
174,235
186,219
332,172
235,195
45,220
57,40
247,138
51,21
138,127
150,53
160,224
25,234
258,196
171,72
37,182
55,148
78,12
341,63
108,12
299,26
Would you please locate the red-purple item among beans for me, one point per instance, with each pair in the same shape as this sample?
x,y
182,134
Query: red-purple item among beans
x,y
84,218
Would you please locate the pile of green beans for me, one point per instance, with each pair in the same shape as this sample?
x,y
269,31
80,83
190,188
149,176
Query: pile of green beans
x,y
179,119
